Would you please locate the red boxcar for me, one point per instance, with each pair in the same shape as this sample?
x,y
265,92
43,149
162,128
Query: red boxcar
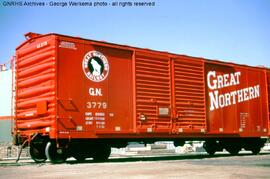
x,y
79,97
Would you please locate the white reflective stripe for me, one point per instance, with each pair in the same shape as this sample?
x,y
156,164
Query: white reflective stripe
x,y
117,128
29,114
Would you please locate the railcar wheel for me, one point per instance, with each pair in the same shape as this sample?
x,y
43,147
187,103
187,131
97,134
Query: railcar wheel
x,y
54,154
37,152
101,153
210,147
79,157
233,150
254,145
256,150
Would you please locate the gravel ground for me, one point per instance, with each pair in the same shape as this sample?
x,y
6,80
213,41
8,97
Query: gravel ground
x,y
194,165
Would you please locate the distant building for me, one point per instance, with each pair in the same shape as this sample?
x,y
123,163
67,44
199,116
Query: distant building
x,y
5,104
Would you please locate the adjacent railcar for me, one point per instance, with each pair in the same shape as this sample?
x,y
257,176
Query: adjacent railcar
x,y
78,98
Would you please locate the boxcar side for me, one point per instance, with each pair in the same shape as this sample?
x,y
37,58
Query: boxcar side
x,y
82,97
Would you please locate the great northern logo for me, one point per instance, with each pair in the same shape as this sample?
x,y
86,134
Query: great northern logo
x,y
95,66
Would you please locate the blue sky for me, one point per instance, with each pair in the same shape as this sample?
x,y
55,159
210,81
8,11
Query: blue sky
x,y
229,30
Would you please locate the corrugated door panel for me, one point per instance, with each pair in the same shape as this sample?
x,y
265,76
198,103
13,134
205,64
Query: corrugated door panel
x,y
35,98
153,93
189,92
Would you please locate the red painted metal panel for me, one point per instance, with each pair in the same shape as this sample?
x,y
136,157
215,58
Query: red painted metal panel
x,y
153,93
235,100
35,85
268,98
189,95
93,103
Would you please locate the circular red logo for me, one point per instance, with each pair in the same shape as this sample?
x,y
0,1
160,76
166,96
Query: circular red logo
x,y
95,66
